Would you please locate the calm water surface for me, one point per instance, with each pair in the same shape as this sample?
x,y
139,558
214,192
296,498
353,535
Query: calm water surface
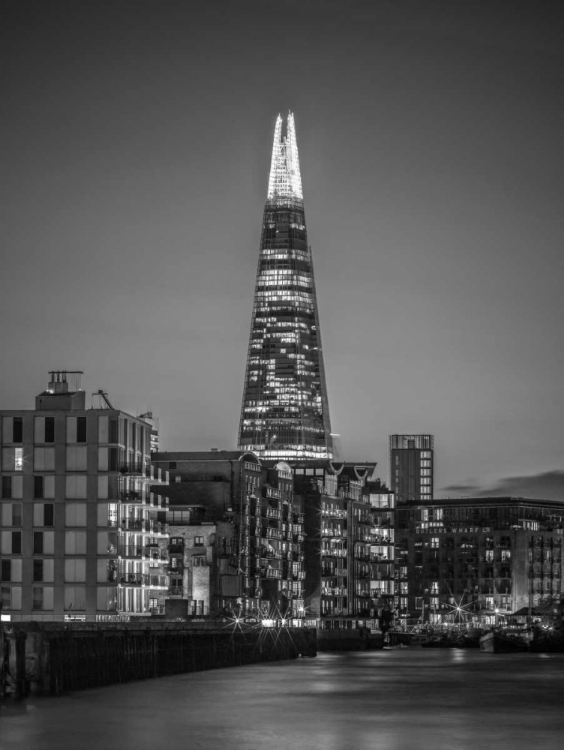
x,y
394,700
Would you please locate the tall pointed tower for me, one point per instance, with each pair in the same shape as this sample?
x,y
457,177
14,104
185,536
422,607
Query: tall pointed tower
x,y
285,413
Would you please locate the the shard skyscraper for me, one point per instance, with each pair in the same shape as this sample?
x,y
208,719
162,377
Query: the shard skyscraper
x,y
285,412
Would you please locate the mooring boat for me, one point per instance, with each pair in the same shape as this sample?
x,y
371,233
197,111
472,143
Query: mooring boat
x,y
496,642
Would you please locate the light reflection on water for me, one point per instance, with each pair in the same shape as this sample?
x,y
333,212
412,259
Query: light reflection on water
x,y
409,699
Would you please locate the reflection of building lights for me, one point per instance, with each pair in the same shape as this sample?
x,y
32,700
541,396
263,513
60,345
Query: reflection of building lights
x,y
267,623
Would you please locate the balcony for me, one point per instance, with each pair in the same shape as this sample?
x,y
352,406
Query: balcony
x,y
132,524
175,591
131,497
272,573
132,468
134,579
158,582
132,551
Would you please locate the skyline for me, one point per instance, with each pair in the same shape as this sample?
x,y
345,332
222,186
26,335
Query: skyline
x,y
135,145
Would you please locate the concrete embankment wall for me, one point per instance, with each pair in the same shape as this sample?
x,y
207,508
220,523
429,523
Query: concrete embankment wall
x,y
50,659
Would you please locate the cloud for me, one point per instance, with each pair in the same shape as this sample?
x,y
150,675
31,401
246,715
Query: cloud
x,y
548,485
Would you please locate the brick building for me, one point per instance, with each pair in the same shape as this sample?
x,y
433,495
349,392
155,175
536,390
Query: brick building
x,y
476,561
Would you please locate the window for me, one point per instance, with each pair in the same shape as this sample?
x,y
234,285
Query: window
x,y
75,597
198,541
103,458
37,542
106,599
75,487
38,570
42,597
81,429
5,597
18,430
103,429
418,602
76,458
43,514
6,570
44,430
11,570
75,542
12,430
103,488
11,514
43,542
12,459
75,570
114,436
75,514
44,459
199,561
76,429
6,487
11,542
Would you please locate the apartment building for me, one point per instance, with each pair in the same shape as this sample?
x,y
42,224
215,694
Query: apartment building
x,y
78,520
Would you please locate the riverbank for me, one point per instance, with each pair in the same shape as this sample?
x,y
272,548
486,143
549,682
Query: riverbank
x,y
50,659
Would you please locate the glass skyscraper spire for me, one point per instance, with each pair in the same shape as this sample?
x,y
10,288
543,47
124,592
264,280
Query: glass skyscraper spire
x,y
285,413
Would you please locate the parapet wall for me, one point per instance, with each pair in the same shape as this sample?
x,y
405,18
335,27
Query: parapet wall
x,y
49,659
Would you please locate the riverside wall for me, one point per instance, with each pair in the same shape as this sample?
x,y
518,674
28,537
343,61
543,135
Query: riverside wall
x,y
50,659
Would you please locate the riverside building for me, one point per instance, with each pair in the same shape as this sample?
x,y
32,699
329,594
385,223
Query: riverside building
x,y
477,561
285,412
78,523
261,570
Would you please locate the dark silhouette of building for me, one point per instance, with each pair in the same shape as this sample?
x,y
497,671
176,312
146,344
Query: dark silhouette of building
x,y
285,413
411,467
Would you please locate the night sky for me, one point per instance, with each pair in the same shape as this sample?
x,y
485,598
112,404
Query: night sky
x,y
135,146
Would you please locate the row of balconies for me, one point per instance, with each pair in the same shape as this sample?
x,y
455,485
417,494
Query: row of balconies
x,y
143,579
334,590
333,513
143,525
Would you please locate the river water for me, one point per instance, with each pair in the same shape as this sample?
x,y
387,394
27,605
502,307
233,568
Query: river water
x,y
401,699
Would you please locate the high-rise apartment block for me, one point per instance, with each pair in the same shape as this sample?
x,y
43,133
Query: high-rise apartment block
x,y
78,525
411,467
285,413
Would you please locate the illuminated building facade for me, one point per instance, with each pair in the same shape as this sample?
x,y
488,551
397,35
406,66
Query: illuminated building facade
x,y
261,568
285,413
476,562
412,467
348,532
